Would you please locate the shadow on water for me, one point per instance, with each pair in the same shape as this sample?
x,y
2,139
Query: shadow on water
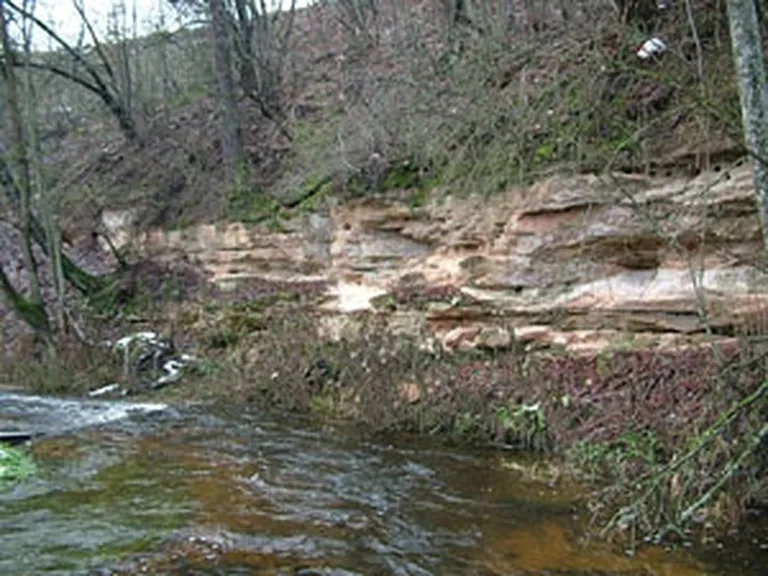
x,y
166,492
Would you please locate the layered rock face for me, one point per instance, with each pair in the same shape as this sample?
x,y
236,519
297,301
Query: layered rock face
x,y
581,261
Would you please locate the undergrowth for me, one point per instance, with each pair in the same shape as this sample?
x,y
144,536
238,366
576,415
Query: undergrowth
x,y
465,111
628,419
504,109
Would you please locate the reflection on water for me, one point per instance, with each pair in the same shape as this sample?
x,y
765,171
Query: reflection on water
x,y
522,550
251,494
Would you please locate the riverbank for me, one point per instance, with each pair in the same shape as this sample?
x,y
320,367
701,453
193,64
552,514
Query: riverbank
x,y
612,415
389,246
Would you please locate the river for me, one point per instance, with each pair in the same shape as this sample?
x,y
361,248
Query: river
x,y
151,489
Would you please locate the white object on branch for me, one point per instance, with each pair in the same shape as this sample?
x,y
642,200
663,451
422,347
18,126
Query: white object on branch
x,y
651,47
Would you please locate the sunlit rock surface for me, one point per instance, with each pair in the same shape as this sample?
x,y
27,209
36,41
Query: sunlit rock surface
x,y
563,262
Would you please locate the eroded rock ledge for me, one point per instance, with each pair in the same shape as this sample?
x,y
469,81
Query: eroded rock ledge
x,y
578,261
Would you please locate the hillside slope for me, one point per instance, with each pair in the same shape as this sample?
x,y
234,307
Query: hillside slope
x,y
410,103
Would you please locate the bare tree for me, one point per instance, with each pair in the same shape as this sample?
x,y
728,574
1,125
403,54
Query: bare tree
x,y
263,44
261,36
125,42
20,173
639,12
748,56
456,12
360,20
102,83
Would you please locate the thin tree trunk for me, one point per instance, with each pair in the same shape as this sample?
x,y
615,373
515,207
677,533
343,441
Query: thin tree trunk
x,y
231,137
84,282
246,59
19,155
41,191
34,306
111,98
748,56
31,312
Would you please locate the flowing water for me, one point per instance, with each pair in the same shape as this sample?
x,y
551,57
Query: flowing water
x,y
156,490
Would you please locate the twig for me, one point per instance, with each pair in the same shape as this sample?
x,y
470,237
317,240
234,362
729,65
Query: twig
x,y
725,476
696,41
77,329
655,479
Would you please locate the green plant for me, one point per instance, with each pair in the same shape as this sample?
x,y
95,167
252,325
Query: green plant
x,y
604,363
524,425
204,368
384,302
324,405
15,465
251,206
621,458
466,425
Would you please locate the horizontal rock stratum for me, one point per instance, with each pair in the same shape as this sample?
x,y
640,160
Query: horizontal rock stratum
x,y
564,261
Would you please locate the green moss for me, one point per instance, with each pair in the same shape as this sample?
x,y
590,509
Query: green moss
x,y
595,111
33,313
419,197
308,133
355,187
604,363
314,191
403,175
251,206
324,405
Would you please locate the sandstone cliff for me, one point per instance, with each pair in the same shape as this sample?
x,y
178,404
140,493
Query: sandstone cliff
x,y
577,261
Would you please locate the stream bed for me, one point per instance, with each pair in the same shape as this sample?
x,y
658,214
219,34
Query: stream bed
x,y
151,489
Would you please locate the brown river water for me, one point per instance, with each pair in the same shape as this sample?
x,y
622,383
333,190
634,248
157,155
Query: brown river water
x,y
208,490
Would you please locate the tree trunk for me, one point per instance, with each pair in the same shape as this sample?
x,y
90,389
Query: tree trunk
x,y
231,145
246,59
750,67
456,12
33,313
84,282
32,309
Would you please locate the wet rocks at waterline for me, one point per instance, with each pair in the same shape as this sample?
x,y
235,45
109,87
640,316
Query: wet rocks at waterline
x,y
147,358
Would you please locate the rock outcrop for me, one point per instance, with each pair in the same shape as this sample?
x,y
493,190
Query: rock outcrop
x,y
576,261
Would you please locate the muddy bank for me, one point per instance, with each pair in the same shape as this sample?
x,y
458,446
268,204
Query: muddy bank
x,y
620,412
